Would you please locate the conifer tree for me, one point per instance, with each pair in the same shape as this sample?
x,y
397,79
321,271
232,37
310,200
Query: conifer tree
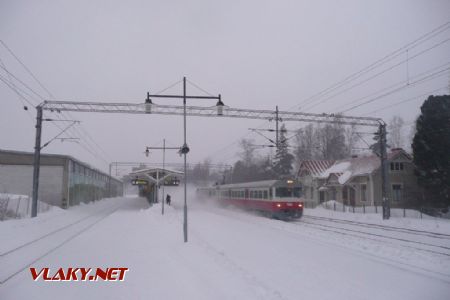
x,y
431,149
283,159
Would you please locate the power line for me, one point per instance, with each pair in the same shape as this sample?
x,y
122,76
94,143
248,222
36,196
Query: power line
x,y
380,62
427,78
73,130
379,73
395,85
406,100
361,72
26,68
15,89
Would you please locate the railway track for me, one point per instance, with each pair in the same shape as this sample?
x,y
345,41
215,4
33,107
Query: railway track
x,y
45,244
385,227
417,240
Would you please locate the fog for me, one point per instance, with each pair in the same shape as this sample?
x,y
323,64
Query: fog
x,y
256,54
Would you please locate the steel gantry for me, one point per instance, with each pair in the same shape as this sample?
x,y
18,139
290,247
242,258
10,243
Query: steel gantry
x,y
210,111
219,110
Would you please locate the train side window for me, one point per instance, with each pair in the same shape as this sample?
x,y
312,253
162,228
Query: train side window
x,y
260,194
265,195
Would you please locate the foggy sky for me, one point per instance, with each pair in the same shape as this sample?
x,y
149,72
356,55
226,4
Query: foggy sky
x,y
257,54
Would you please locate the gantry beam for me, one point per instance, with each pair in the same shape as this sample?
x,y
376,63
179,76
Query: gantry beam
x,y
211,111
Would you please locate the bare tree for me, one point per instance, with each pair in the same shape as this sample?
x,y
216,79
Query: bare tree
x,y
305,144
351,139
331,141
395,137
247,153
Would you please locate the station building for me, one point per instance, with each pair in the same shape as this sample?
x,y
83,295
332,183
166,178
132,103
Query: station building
x,y
64,181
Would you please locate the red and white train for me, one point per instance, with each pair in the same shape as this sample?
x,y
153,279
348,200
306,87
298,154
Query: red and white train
x,y
280,199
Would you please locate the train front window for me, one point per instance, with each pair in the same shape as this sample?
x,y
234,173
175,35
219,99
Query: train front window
x,y
285,192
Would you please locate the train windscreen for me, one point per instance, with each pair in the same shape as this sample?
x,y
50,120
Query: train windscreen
x,y
286,192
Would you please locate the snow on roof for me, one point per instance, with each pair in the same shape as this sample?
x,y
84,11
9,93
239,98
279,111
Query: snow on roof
x,y
338,167
357,166
151,170
315,167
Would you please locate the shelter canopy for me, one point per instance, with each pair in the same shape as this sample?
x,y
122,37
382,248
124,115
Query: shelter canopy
x,y
156,175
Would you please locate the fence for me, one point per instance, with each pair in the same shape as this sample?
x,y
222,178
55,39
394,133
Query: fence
x,y
18,206
395,212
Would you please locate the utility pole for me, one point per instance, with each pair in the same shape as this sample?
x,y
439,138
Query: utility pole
x,y
37,161
185,151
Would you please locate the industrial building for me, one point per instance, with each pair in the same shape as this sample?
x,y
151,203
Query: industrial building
x,y
64,181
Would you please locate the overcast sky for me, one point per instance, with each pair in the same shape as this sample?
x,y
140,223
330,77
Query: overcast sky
x,y
257,54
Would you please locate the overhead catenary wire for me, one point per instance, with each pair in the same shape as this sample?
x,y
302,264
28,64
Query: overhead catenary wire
x,y
74,130
308,108
379,62
422,80
390,87
423,38
30,101
406,100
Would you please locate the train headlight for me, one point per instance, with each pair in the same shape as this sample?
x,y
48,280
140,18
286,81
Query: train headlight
x,y
300,205
278,204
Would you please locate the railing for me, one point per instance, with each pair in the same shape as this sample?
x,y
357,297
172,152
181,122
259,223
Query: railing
x,y
404,212
18,206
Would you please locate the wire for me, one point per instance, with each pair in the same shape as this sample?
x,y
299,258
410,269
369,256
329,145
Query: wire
x,y
74,129
406,100
425,79
26,68
198,87
169,87
379,73
397,84
361,72
380,62
14,89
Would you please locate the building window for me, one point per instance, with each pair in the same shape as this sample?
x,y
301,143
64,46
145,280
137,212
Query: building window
x,y
363,192
396,166
397,192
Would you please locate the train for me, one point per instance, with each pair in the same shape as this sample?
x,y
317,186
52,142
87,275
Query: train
x,y
280,199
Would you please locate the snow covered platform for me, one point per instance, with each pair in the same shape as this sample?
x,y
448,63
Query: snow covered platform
x,y
230,255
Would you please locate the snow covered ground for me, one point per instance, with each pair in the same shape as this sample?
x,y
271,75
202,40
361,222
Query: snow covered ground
x,y
14,206
230,255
